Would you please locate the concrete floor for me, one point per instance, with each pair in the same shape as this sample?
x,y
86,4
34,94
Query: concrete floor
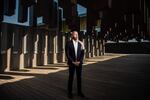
x,y
109,77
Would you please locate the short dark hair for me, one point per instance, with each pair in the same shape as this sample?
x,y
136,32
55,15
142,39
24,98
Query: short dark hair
x,y
74,30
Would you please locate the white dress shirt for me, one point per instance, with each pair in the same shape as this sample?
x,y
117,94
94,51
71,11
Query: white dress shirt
x,y
75,43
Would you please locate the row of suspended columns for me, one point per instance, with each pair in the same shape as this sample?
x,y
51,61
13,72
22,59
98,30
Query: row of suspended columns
x,y
27,47
34,45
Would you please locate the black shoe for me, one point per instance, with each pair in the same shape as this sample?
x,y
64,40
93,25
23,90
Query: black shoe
x,y
81,95
70,95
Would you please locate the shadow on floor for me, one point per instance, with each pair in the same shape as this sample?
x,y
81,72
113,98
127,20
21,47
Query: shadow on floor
x,y
123,78
5,77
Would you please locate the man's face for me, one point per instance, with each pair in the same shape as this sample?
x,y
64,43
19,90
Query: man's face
x,y
75,35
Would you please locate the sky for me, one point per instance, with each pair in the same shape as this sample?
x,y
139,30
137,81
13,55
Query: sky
x,y
13,19
81,9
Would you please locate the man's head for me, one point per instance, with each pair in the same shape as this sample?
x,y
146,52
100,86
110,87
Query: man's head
x,y
74,35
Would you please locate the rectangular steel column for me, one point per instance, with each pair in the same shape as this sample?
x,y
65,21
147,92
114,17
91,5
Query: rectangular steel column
x,y
46,49
0,50
1,10
5,48
24,54
17,48
35,49
54,47
61,47
42,48
23,12
9,7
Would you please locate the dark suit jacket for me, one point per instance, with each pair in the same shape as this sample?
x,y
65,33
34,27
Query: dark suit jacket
x,y
70,52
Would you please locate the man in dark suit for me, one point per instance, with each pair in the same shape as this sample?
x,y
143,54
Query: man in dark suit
x,y
75,54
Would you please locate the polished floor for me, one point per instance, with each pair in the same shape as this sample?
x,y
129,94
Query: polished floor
x,y
109,77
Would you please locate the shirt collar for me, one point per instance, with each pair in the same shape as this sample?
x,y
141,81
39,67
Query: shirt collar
x,y
75,41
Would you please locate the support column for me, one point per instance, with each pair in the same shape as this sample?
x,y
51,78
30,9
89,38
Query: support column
x,y
32,48
49,48
61,49
97,48
103,47
88,48
0,49
93,47
149,27
71,14
24,54
46,49
1,10
17,61
91,23
53,48
54,30
42,58
9,7
5,48
1,19
40,47
35,50
82,38
100,48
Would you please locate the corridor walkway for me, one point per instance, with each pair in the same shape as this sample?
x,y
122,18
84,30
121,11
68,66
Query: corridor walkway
x,y
109,77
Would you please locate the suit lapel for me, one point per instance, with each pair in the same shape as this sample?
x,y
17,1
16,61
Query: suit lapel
x,y
72,46
78,49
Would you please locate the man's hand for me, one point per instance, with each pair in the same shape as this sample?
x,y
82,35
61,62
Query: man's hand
x,y
76,63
